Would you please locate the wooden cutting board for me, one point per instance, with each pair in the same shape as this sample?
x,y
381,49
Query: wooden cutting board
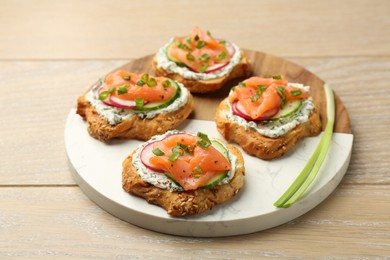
x,y
265,65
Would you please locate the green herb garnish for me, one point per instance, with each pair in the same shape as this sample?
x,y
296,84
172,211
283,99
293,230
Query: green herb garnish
x,y
151,82
139,102
203,68
201,44
174,156
126,77
183,46
281,91
158,152
310,171
140,83
103,95
189,40
241,84
190,57
166,84
205,57
196,37
277,77
197,172
222,55
203,141
122,90
296,92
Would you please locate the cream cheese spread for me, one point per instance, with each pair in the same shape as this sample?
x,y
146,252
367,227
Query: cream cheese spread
x,y
114,115
159,179
171,67
279,127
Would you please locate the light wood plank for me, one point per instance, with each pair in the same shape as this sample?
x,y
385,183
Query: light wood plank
x,y
46,29
48,222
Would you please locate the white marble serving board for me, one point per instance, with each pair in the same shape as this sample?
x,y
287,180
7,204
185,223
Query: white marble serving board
x,y
98,168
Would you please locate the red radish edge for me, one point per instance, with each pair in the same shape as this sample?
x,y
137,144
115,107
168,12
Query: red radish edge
x,y
117,102
238,111
147,153
121,103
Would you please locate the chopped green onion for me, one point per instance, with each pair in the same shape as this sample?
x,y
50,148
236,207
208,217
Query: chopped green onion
x,y
111,90
187,148
277,77
174,156
196,37
166,83
103,95
183,46
145,77
281,91
126,77
203,141
310,171
158,152
262,88
197,172
122,90
151,82
178,149
203,68
208,33
140,83
201,44
296,92
222,55
223,42
190,57
242,84
204,57
190,149
139,102
189,40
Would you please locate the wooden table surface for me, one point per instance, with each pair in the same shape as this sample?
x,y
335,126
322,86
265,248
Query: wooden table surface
x,y
51,51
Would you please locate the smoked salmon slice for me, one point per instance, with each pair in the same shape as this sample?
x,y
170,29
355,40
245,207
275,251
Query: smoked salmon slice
x,y
258,95
189,162
200,51
130,86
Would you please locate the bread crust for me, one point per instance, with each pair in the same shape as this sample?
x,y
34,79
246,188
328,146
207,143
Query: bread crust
x,y
183,203
134,127
264,147
242,69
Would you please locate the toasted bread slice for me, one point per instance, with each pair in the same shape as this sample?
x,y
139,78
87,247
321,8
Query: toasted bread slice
x,y
262,146
242,69
134,127
183,203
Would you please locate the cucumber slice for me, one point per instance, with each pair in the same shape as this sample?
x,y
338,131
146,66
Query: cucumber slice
x,y
168,51
290,108
158,105
216,180
220,177
221,148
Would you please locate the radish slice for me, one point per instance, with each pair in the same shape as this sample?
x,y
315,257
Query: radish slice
x,y
107,100
146,154
238,110
122,103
